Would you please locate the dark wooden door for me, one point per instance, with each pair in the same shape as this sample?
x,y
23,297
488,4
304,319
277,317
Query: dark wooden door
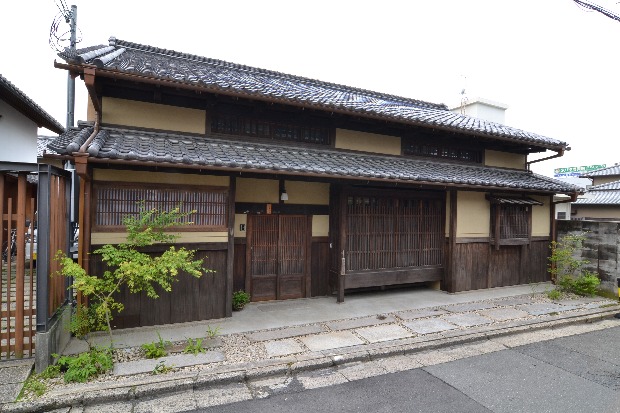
x,y
277,252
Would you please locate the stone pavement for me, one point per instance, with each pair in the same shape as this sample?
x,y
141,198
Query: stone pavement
x,y
328,351
12,376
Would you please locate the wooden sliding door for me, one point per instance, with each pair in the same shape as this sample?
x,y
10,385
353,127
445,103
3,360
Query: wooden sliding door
x,y
277,256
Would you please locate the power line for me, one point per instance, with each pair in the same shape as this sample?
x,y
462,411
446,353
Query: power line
x,y
597,8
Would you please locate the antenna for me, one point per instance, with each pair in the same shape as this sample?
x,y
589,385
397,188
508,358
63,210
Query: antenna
x,y
464,98
58,41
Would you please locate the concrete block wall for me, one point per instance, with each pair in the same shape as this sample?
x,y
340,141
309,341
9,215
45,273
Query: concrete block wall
x,y
601,247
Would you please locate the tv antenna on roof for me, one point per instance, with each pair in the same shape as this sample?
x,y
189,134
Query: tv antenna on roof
x,y
58,41
464,98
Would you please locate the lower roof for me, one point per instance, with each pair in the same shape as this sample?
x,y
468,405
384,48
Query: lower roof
x,y
175,150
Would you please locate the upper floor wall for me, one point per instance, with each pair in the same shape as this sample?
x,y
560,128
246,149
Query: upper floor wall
x,y
232,121
18,136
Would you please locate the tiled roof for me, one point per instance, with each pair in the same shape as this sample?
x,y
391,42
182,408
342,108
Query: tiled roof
x,y
604,194
20,101
224,77
609,171
214,154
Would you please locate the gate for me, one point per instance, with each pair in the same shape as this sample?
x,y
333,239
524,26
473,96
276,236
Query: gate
x,y
277,257
25,242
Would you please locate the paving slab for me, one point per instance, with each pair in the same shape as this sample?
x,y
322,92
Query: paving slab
x,y
380,333
514,301
279,348
544,308
14,374
399,363
431,325
181,360
504,314
467,320
359,322
285,333
422,313
9,392
466,307
329,341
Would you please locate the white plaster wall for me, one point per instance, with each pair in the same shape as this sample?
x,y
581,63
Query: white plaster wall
x,y
18,136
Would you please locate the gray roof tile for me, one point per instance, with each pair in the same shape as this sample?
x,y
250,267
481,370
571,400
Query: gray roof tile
x,y
609,171
135,145
223,76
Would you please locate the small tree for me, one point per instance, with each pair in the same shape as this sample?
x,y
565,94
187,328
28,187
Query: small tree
x,y
566,271
131,268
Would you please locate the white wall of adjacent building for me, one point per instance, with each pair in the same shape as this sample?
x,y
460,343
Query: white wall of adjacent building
x,y
18,136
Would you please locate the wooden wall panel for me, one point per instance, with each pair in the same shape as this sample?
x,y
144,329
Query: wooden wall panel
x,y
239,265
471,262
320,267
191,299
477,265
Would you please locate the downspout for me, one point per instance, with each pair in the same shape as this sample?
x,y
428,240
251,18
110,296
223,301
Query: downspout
x,y
557,155
81,168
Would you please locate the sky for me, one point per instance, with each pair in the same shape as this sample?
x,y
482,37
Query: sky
x,y
554,64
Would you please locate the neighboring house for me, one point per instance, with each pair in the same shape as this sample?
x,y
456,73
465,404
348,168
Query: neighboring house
x,y
20,117
302,188
601,202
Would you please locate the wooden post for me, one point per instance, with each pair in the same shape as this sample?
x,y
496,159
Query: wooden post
x,y
451,284
20,268
308,264
342,233
498,223
231,245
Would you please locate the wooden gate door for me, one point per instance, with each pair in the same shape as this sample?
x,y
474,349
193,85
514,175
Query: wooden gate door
x,y
277,252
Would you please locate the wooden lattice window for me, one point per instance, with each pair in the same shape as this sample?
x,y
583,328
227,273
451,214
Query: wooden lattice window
x,y
247,126
435,150
115,201
391,232
513,220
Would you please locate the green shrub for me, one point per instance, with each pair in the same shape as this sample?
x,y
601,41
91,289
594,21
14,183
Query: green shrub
x,y
554,294
80,368
34,386
194,346
156,349
240,299
567,271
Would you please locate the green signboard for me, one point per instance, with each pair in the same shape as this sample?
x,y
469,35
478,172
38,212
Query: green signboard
x,y
576,170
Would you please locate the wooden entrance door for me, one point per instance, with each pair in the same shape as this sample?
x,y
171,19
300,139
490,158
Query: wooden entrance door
x,y
277,252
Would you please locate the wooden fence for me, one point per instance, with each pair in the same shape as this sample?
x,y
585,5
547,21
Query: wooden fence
x,y
17,273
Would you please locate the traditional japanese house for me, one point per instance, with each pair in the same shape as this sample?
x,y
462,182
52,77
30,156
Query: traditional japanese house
x,y
302,188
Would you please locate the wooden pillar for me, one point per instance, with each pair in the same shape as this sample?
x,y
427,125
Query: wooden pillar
x,y
451,282
342,234
20,269
308,265
230,256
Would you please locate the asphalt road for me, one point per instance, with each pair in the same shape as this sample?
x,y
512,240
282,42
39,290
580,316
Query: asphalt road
x,y
572,374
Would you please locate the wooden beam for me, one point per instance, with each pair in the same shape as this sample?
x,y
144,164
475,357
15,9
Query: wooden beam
x,y
89,81
230,256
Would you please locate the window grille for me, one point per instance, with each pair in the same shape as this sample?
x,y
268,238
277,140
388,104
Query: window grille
x,y
242,126
114,202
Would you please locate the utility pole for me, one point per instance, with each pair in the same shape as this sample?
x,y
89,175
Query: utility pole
x,y
72,20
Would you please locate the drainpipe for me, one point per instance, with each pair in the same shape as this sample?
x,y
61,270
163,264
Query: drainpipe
x,y
557,155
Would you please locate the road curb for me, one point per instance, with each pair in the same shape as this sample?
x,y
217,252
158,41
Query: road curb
x,y
159,385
